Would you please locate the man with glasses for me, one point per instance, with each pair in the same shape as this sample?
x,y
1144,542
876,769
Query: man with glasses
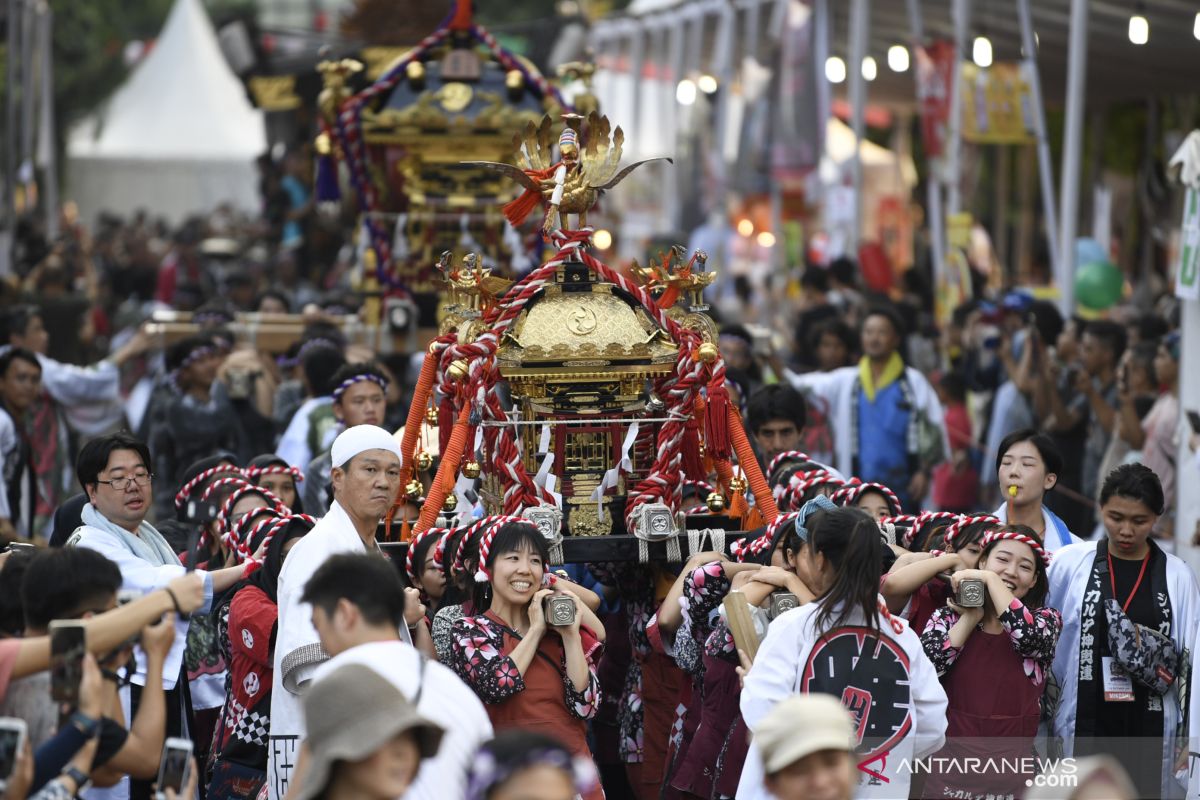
x,y
115,473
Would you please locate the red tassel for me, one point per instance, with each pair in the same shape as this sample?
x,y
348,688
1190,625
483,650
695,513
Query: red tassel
x,y
716,422
445,423
693,466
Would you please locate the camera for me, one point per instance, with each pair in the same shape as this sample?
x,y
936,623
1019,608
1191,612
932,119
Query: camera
x,y
971,593
781,602
559,610
240,383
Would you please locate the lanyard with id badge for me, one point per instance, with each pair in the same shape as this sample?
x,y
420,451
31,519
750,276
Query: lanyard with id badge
x,y
1118,685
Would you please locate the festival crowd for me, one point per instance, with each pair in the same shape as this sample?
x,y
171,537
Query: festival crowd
x,y
973,558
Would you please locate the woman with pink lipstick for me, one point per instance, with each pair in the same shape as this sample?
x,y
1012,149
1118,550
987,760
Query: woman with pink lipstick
x,y
1130,612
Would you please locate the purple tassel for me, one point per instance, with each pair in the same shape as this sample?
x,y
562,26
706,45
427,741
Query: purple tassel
x,y
327,180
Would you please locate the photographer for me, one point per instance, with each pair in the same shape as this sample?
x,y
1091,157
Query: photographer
x,y
80,584
529,674
993,657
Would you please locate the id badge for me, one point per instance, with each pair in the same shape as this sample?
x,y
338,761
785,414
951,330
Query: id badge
x,y
1118,685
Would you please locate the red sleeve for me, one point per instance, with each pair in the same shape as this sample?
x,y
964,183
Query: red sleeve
x,y
653,634
164,292
592,646
252,620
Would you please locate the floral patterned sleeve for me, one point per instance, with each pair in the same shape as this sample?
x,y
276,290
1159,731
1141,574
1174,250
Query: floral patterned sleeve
x,y
720,643
1034,634
476,656
585,704
936,639
441,628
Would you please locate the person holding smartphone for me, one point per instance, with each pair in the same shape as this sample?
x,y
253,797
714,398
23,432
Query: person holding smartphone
x,y
115,472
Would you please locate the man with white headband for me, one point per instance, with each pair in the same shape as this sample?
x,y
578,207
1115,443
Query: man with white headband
x,y
366,477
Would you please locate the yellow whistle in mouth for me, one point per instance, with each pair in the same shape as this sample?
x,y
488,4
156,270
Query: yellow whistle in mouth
x,y
1012,491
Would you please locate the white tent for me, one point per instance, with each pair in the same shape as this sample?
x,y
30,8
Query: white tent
x,y
179,137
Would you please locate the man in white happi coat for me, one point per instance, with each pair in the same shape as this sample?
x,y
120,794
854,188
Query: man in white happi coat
x,y
366,477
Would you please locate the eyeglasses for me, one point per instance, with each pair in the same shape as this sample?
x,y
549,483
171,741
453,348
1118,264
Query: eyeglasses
x,y
121,484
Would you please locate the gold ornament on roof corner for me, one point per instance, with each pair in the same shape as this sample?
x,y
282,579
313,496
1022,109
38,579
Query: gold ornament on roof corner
x,y
471,288
423,461
471,470
671,278
585,101
587,167
335,75
715,502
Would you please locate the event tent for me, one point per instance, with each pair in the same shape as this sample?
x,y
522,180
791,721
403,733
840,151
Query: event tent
x,y
178,137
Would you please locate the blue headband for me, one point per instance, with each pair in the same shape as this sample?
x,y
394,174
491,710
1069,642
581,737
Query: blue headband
x,y
818,503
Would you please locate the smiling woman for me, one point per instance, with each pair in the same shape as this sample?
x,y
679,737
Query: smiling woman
x,y
530,672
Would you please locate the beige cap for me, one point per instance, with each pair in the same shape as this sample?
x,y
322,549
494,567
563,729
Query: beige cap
x,y
801,725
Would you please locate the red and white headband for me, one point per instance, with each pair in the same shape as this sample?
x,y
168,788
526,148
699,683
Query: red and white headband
x,y
849,494
761,544
786,455
1013,536
957,528
181,497
482,573
242,533
459,563
409,566
254,473
439,550
245,490
923,519
276,526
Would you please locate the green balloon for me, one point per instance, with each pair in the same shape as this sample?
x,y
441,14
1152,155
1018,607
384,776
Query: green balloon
x,y
1098,285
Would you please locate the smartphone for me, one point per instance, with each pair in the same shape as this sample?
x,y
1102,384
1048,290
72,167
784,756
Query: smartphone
x,y
68,643
12,740
175,768
1194,421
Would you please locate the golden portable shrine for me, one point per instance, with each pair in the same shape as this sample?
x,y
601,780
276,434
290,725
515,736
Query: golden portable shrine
x,y
457,95
616,384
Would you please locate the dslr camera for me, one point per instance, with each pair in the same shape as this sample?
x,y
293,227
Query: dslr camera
x,y
559,610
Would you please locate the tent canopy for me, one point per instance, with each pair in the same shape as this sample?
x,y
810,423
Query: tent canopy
x,y
182,116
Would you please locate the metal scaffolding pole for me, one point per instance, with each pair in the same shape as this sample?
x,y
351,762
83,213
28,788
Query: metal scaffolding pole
x,y
933,186
1045,165
1072,155
860,13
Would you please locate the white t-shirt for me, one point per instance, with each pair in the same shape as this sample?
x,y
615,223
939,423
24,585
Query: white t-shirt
x,y
443,698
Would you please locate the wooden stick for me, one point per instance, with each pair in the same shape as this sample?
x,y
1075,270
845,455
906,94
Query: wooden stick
x,y
741,625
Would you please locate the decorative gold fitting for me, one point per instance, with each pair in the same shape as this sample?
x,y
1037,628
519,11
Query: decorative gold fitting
x,y
451,502
423,461
715,502
707,352
471,470
458,369
414,489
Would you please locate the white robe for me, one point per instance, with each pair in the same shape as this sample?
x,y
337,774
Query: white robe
x,y
836,388
293,445
444,699
297,642
776,675
1070,573
1053,541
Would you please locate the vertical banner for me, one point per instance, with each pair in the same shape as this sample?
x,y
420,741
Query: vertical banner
x,y
954,288
935,72
1187,274
799,129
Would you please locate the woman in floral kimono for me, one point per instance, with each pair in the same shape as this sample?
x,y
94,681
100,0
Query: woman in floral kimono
x,y
528,673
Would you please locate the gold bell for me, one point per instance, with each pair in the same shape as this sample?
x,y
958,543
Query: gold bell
x,y
423,461
451,502
707,352
514,80
715,502
415,71
431,417
457,370
471,470
414,489
737,485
